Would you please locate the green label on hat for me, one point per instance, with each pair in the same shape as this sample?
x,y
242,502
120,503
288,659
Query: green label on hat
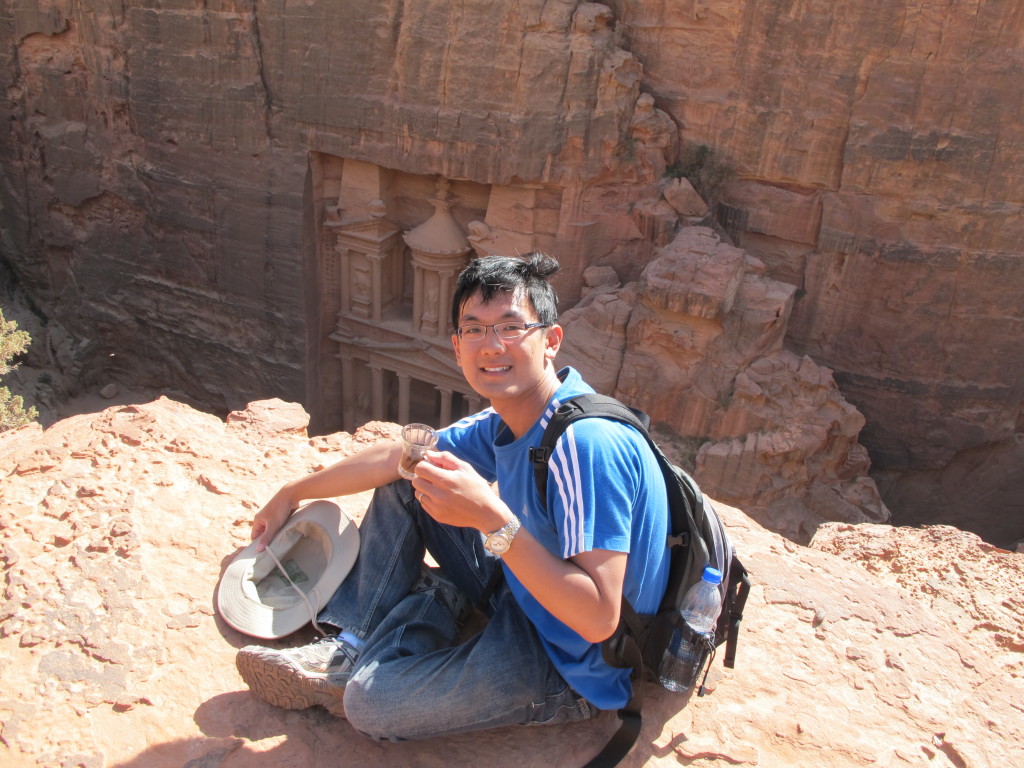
x,y
295,573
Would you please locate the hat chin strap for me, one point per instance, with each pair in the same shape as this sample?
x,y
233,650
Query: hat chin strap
x,y
303,595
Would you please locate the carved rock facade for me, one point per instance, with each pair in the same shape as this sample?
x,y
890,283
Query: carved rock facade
x,y
183,180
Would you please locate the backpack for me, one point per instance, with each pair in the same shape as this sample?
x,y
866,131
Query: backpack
x,y
697,539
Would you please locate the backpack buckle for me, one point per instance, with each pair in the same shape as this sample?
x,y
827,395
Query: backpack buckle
x,y
678,539
540,454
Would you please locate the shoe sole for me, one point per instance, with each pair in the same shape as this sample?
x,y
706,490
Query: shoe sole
x,y
285,687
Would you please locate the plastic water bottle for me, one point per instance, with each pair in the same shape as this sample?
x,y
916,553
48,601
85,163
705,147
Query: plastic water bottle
x,y
681,662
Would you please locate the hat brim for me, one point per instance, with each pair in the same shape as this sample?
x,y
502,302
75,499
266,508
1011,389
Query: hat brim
x,y
320,526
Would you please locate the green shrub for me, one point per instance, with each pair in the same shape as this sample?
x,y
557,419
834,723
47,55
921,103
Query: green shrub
x,y
12,407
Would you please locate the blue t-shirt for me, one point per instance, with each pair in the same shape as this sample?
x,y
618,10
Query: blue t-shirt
x,y
605,491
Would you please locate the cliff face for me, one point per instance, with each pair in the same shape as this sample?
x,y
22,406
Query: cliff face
x,y
699,341
116,526
169,168
164,165
879,150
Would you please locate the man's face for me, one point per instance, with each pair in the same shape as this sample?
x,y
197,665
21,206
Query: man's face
x,y
499,369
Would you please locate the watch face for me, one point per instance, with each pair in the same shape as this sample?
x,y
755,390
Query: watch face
x,y
498,544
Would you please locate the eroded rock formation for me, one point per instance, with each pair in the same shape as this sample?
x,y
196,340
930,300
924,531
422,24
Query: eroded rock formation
x,y
698,341
115,527
173,171
878,168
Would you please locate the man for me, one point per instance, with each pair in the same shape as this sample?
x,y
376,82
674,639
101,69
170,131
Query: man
x,y
549,578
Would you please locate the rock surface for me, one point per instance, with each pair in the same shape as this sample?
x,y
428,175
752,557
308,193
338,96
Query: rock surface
x,y
115,527
159,181
878,169
697,343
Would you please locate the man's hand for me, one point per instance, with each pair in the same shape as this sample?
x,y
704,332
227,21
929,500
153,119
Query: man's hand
x,y
368,468
269,520
454,493
585,592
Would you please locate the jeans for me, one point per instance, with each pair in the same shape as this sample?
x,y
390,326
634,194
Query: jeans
x,y
414,678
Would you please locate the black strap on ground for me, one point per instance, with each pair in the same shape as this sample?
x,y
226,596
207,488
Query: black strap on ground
x,y
629,716
622,740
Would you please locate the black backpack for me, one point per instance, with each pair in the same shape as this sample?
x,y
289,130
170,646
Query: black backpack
x,y
697,539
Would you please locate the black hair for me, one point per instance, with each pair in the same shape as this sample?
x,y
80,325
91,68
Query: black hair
x,y
490,274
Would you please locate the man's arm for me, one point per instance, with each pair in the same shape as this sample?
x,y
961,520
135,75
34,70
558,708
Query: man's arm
x,y
372,467
584,592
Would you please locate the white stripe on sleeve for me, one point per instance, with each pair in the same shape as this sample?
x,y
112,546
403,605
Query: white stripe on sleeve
x,y
565,470
470,420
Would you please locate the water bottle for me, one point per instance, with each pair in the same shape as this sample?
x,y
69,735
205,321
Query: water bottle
x,y
681,662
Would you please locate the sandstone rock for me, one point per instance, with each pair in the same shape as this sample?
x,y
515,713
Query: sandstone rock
x,y
599,280
942,566
603,325
653,136
698,344
695,275
785,212
270,417
166,170
600,277
681,195
112,654
876,191
655,220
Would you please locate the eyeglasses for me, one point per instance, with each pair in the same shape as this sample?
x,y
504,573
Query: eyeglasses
x,y
508,331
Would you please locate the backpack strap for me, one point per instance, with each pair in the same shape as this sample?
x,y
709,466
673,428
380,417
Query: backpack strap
x,y
630,719
573,409
739,588
623,739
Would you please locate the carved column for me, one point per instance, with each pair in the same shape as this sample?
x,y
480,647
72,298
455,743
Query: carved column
x,y
446,406
445,296
476,403
403,398
377,282
417,295
348,394
345,279
377,393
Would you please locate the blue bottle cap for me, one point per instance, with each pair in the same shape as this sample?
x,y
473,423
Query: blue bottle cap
x,y
712,575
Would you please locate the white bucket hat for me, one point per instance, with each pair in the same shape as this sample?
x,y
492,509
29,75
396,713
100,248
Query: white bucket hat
x,y
316,548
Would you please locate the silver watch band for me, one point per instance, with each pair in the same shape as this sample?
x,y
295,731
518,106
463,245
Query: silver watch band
x,y
498,542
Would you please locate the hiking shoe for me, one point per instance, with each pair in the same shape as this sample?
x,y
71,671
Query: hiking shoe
x,y
452,598
297,678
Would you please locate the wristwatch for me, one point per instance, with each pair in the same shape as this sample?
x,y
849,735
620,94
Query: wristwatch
x,y
497,543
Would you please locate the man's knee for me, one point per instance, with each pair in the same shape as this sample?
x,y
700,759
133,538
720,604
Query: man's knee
x,y
400,492
371,708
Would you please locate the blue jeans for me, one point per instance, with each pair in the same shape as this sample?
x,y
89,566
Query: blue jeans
x,y
414,678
